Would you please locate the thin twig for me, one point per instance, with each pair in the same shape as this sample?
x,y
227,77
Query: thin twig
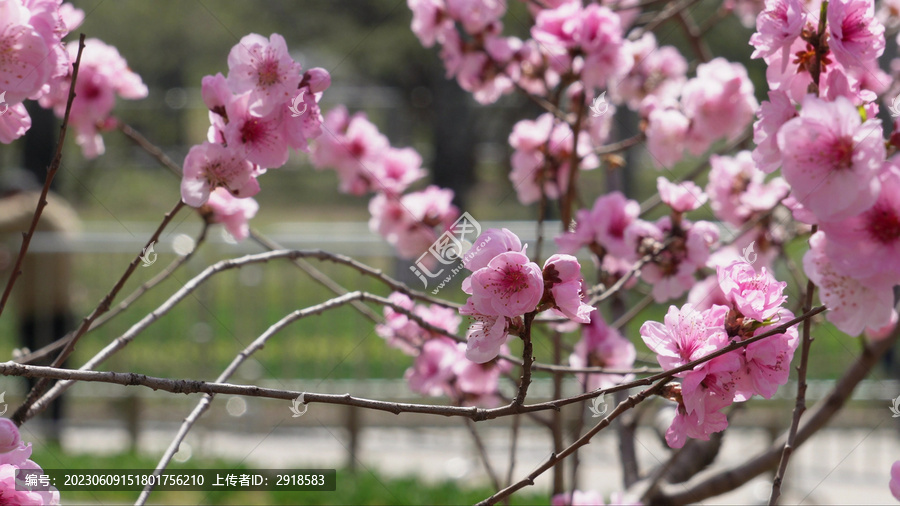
x,y
800,405
583,440
68,376
527,361
483,454
39,354
19,416
51,173
206,401
513,444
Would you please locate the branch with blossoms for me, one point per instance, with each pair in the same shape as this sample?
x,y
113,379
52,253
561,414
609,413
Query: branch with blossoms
x,y
727,336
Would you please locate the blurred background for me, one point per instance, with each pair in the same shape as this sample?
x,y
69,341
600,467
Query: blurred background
x,y
377,66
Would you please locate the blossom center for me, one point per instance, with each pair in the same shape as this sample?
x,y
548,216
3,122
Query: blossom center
x,y
253,131
883,224
267,72
842,153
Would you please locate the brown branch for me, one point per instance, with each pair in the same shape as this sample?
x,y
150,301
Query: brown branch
x,y
255,346
483,454
51,173
555,458
68,376
527,361
19,416
125,304
800,405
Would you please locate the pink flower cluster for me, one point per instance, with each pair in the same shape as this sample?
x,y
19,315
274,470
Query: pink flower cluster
x,y
678,248
752,305
602,346
505,285
14,455
34,57
832,153
264,107
440,366
103,74
472,49
543,154
718,102
366,162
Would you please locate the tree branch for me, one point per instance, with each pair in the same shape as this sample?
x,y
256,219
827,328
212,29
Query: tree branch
x,y
51,173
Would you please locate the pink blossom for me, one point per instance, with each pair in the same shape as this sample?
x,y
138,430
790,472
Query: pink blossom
x,y
432,370
657,71
879,333
711,385
766,364
476,15
579,236
9,435
757,296
16,457
604,224
719,103
405,334
667,131
489,244
792,75
672,271
853,304
263,68
476,74
103,74
351,146
298,130
208,166
562,277
14,123
543,151
70,16
855,35
777,27
772,114
832,158
234,213
429,20
686,335
611,215
408,222
510,285
894,484
396,170
477,383
32,51
694,425
215,93
682,197
260,139
557,32
600,38
868,244
602,346
485,337
737,188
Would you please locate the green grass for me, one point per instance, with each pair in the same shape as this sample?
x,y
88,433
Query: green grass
x,y
359,488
